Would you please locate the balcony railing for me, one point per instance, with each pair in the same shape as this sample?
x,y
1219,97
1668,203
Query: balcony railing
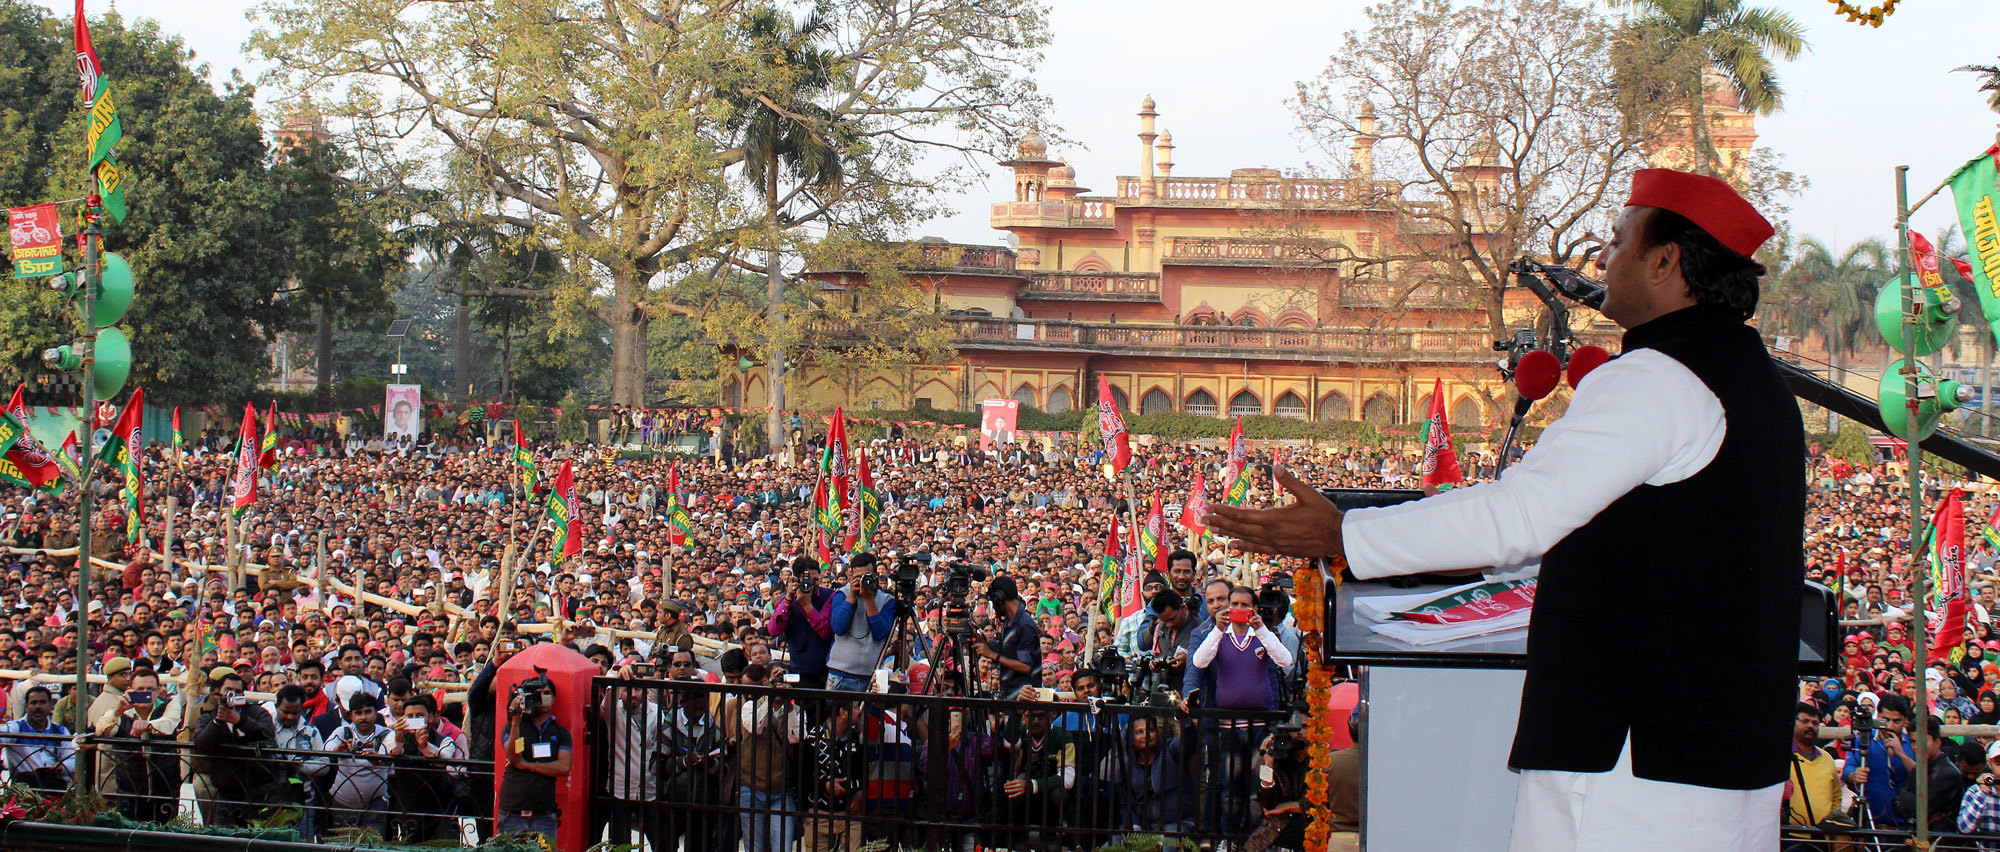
x,y
939,255
1072,213
1305,191
1099,286
1222,250
1469,345
1386,294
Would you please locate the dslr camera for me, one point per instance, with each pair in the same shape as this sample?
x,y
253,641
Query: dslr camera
x,y
958,580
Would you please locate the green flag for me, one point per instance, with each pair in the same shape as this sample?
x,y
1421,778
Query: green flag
x,y
1973,187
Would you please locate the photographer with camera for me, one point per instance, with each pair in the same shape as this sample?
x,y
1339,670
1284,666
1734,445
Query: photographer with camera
x,y
1168,647
224,773
1979,811
804,620
1018,651
1946,788
149,776
295,732
1281,792
1812,794
360,790
1882,758
538,752
1240,662
864,614
425,787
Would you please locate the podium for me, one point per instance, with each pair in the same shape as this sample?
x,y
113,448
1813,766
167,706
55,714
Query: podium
x,y
1440,719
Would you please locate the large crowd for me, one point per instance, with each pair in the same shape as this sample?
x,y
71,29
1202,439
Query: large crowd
x,y
365,692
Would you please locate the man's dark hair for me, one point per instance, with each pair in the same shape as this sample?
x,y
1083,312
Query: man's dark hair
x,y
1934,725
428,703
399,686
1805,707
291,692
865,560
1085,672
361,700
38,688
1897,703
734,661
1181,555
350,647
312,664
804,564
1167,599
1715,275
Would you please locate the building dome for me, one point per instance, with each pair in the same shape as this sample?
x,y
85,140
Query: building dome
x,y
1062,174
1147,105
1032,146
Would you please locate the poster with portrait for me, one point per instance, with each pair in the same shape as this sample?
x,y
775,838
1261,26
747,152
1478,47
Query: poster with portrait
x,y
996,422
403,414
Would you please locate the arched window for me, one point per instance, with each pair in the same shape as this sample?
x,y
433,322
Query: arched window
x,y
1200,402
1025,395
1059,401
1119,399
732,393
1290,405
1380,409
1155,401
1335,406
1465,416
1245,402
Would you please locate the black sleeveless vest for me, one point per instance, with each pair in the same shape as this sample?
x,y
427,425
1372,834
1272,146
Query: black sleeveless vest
x,y
1673,615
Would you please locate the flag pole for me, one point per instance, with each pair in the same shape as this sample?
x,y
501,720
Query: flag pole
x,y
1919,627
86,349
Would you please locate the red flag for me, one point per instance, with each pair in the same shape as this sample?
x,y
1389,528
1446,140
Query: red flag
x,y
1117,442
1194,516
1948,555
571,542
1128,598
675,535
1153,539
243,487
34,463
1239,452
1440,460
87,67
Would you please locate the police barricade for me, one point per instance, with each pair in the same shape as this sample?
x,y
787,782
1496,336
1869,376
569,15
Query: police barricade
x,y
697,766
412,791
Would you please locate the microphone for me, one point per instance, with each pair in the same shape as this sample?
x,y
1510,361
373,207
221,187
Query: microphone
x,y
1584,360
1535,377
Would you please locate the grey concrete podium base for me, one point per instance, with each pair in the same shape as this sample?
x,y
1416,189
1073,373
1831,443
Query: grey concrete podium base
x,y
1434,769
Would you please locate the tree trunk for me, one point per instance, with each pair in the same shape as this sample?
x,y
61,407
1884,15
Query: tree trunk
x,y
628,323
774,318
323,348
461,350
507,358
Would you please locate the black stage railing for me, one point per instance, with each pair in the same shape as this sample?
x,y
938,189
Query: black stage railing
x,y
351,789
695,766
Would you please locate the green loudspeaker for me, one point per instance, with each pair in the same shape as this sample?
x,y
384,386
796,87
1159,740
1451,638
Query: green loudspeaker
x,y
113,362
114,290
1937,319
1934,398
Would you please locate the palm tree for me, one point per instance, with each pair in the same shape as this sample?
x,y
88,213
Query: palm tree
x,y
1842,293
786,131
1991,83
1687,39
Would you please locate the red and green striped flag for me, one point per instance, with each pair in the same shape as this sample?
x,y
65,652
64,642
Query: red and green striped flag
x,y
71,459
1194,515
569,535
23,460
1150,549
680,525
531,478
830,497
125,451
1945,544
1238,472
867,508
180,444
243,486
104,129
267,452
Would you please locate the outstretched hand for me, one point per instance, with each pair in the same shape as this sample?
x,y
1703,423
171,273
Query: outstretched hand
x,y
1309,527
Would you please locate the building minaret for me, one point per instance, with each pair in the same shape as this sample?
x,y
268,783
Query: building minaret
x,y
1146,137
1362,151
1166,149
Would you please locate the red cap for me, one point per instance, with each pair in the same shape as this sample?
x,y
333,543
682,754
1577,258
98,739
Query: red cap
x,y
1710,203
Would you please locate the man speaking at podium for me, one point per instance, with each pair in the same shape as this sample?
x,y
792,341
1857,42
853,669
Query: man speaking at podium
x,y
1679,466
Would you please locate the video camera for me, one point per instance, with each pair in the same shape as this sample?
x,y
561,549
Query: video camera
x,y
529,692
909,567
959,577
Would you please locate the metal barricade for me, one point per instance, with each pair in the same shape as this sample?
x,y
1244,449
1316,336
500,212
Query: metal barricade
x,y
697,766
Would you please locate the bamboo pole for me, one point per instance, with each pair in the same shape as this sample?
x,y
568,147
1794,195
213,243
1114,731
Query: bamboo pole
x,y
167,542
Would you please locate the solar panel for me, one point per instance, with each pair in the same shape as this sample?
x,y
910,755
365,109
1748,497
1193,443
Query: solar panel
x,y
399,328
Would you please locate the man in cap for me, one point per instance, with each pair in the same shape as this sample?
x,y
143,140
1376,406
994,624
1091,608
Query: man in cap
x,y
1638,490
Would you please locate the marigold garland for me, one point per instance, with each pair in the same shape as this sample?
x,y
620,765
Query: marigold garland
x,y
1872,17
1310,609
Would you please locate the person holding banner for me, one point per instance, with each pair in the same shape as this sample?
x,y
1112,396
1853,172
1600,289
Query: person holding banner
x,y
1679,464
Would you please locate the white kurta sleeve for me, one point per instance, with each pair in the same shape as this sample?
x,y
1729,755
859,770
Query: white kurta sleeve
x,y
1643,418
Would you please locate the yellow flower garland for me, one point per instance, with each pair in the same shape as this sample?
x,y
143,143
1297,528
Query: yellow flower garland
x,y
1872,17
1310,608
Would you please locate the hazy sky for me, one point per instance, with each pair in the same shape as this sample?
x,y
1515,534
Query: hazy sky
x,y
1860,103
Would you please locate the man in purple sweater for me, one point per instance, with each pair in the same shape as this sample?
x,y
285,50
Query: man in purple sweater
x,y
804,621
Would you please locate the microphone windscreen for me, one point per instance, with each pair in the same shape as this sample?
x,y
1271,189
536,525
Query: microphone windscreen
x,y
1584,360
1537,374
